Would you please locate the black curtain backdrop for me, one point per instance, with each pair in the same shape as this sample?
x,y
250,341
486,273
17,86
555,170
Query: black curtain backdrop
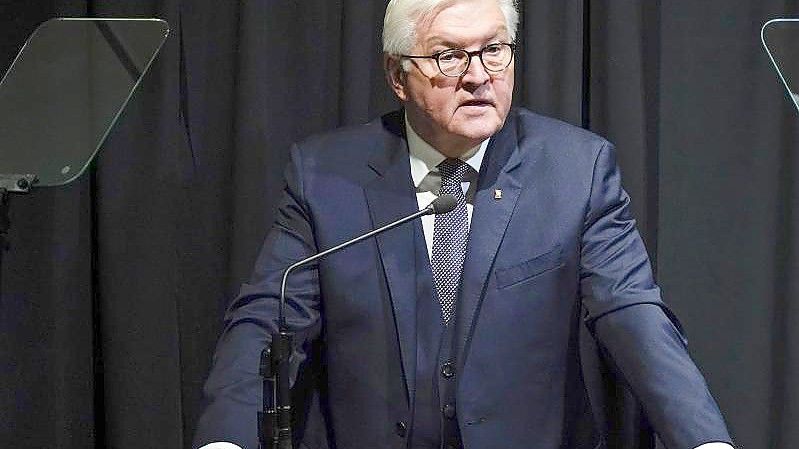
x,y
114,286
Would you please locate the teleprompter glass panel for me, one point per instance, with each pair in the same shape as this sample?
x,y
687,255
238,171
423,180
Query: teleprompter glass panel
x,y
65,90
781,39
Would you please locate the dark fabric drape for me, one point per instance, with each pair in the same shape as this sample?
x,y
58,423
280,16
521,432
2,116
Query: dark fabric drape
x,y
114,287
727,238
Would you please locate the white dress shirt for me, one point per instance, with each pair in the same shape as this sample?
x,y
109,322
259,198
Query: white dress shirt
x,y
427,180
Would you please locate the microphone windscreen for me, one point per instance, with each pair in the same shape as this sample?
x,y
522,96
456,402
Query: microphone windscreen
x,y
444,204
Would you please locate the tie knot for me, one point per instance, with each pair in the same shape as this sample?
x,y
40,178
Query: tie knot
x,y
453,171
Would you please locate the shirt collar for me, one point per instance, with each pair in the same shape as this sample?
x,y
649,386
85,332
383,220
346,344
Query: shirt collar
x,y
425,159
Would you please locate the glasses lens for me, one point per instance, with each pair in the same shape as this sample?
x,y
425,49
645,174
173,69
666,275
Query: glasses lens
x,y
497,57
453,62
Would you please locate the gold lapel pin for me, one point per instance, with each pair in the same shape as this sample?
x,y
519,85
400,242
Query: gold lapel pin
x,y
498,194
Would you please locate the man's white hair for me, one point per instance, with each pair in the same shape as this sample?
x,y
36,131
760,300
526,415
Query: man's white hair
x,y
403,16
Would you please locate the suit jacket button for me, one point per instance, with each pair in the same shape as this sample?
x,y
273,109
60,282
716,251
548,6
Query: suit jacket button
x,y
401,429
448,411
448,370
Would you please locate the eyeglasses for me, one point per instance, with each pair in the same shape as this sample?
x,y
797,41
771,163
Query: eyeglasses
x,y
454,62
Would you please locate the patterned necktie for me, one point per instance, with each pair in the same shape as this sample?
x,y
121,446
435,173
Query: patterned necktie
x,y
450,235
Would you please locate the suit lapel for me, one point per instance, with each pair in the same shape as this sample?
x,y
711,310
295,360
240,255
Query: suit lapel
x,y
391,196
490,219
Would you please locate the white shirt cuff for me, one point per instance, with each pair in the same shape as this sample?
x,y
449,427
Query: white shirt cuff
x,y
224,445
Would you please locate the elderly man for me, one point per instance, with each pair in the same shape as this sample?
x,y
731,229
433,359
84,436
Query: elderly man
x,y
467,329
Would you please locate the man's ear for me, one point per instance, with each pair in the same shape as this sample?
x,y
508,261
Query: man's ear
x,y
395,76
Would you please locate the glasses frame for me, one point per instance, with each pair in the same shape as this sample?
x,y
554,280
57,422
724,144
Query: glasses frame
x,y
471,54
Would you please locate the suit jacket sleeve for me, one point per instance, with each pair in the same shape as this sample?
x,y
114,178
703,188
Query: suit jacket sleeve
x,y
233,391
632,325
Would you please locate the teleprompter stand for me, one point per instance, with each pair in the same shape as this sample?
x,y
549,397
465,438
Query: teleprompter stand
x,y
10,184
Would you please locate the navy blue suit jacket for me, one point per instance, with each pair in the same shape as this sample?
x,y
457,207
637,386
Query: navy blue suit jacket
x,y
557,294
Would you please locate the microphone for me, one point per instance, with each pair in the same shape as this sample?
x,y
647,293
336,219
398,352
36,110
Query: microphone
x,y
443,204
275,421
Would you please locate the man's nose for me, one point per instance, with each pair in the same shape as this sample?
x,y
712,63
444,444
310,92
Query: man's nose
x,y
476,74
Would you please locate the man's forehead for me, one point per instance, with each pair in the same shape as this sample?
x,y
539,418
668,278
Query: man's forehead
x,y
432,30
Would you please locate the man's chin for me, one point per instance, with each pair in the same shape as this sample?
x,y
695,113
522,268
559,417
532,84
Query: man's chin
x,y
479,129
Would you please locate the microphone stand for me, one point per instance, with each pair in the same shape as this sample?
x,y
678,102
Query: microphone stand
x,y
274,422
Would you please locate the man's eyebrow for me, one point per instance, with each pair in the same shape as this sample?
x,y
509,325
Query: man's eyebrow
x,y
450,44
433,41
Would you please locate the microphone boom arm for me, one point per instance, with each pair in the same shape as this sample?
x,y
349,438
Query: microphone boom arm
x,y
275,419
282,317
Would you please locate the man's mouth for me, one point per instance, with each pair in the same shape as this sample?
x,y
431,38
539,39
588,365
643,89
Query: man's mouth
x,y
477,103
